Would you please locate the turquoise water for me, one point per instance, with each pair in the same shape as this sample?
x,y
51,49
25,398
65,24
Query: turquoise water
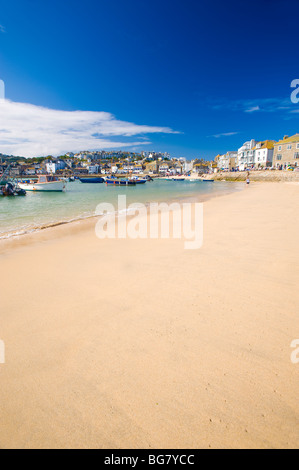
x,y
23,214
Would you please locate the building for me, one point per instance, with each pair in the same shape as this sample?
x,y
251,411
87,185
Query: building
x,y
187,166
52,167
152,167
227,162
286,152
263,154
246,155
93,169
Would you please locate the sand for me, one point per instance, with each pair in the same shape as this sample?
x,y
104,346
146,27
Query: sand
x,y
142,344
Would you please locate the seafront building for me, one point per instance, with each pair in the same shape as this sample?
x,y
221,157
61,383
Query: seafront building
x,y
246,155
263,154
252,154
53,167
227,162
286,152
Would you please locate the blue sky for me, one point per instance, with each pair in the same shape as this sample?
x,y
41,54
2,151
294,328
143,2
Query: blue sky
x,y
194,78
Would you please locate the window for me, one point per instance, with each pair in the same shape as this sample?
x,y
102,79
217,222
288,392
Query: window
x,y
289,147
296,155
279,148
297,146
278,157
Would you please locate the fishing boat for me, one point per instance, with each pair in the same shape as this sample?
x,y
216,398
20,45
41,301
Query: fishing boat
x,y
120,182
11,189
44,183
92,180
139,180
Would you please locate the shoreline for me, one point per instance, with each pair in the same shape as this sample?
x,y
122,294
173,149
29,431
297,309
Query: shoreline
x,y
141,344
10,239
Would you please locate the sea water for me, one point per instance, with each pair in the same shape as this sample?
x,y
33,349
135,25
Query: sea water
x,y
19,215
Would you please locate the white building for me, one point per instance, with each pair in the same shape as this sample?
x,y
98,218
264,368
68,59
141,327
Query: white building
x,y
52,167
263,153
227,161
93,169
187,166
246,155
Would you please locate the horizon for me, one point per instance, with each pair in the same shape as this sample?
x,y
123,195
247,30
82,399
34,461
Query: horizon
x,y
135,77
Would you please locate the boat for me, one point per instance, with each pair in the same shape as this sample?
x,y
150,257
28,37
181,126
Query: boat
x,y
92,180
207,180
178,179
11,189
44,183
139,180
120,182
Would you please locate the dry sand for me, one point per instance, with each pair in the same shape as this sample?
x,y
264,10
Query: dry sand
x,y
142,344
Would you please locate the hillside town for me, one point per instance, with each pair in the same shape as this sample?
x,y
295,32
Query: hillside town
x,y
252,155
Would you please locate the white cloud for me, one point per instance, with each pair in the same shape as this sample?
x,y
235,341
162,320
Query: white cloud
x,y
2,29
266,105
29,130
252,109
223,134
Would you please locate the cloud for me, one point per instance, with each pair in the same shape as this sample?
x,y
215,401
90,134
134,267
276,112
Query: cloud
x,y
252,109
29,130
267,105
2,29
223,134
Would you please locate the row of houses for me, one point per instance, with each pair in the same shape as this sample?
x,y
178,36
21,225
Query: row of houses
x,y
283,154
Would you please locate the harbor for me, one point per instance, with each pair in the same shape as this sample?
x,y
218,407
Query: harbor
x,y
78,201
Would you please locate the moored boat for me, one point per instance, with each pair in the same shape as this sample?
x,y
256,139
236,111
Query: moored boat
x,y
11,189
120,182
139,180
92,180
44,183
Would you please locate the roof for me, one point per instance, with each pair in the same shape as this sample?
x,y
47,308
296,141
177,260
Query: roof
x,y
293,138
266,144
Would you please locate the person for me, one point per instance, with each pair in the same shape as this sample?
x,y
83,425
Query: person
x,y
247,179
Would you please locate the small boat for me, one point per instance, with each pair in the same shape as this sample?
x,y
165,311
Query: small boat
x,y
44,183
11,189
139,180
208,181
120,182
178,179
92,180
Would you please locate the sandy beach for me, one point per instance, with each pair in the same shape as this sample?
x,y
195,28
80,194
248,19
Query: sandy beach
x,y
142,344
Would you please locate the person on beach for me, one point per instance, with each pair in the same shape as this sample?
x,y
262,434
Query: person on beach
x,y
247,179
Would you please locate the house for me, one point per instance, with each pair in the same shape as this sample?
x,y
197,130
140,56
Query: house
x,y
187,166
286,152
152,167
52,167
201,167
93,169
263,154
246,155
227,162
164,167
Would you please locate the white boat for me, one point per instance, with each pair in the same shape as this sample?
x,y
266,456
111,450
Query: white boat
x,y
44,183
